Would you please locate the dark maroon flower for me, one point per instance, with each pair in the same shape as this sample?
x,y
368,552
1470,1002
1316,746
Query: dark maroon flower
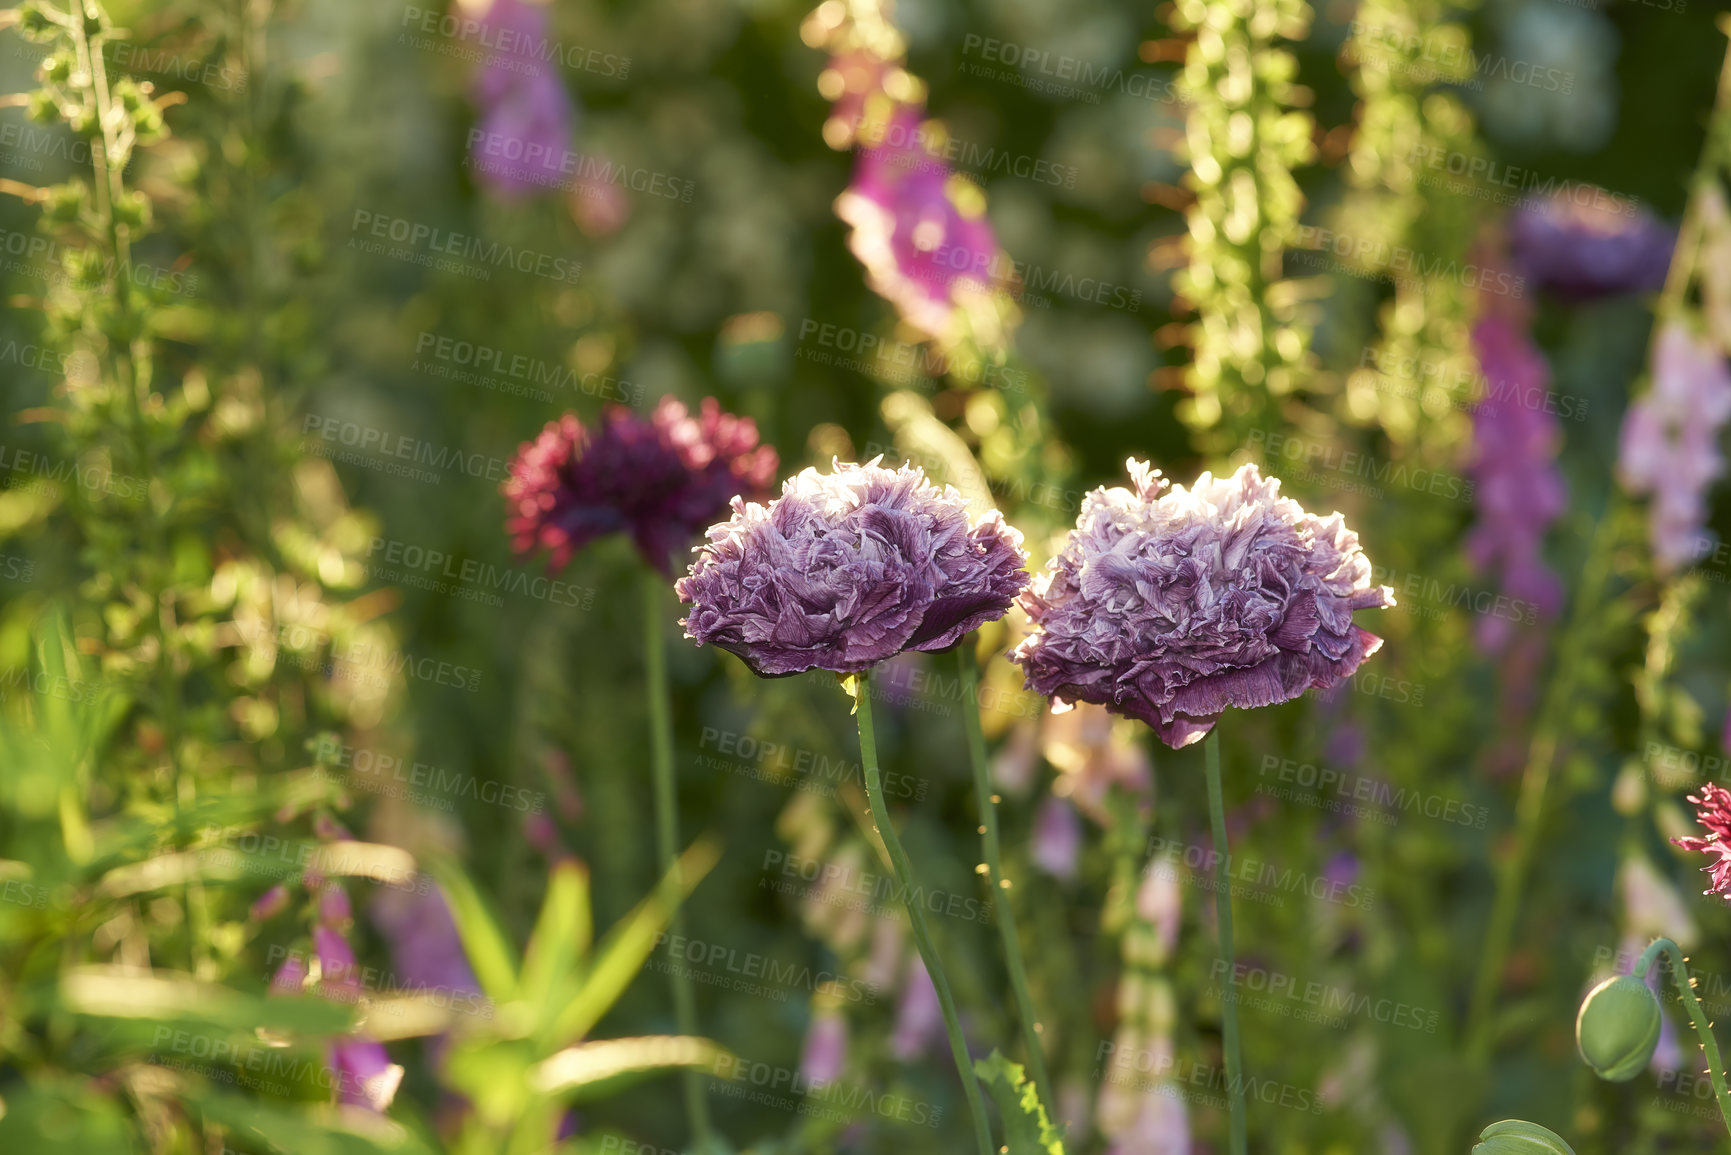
x,y
1713,811
1168,608
661,479
1581,251
847,569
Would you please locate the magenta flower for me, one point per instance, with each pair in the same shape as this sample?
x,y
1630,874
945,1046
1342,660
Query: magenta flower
x,y
1168,608
364,1073
1582,251
661,479
523,139
824,1056
1670,441
426,952
919,230
1518,490
1713,812
847,569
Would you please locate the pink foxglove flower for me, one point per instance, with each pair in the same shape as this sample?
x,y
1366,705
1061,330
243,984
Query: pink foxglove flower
x,y
523,140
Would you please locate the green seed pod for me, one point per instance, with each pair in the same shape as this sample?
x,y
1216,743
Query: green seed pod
x,y
1618,1028
1519,1137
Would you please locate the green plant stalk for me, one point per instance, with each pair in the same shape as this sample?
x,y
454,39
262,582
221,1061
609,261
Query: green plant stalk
x,y
1006,920
1535,781
1223,914
667,834
904,872
1686,987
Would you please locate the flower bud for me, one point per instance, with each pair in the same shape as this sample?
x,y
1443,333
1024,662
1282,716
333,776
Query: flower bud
x,y
1518,1137
1618,1028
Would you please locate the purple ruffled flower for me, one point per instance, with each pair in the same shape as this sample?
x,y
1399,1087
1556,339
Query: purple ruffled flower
x,y
1670,441
847,569
1170,608
661,479
1518,489
923,240
1582,251
523,140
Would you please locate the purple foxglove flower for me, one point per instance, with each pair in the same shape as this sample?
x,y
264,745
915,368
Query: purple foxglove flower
x,y
919,1018
1713,812
1161,1126
1160,903
1518,490
339,974
1057,838
825,1054
426,953
661,479
290,977
271,903
523,140
1582,251
1670,441
847,569
923,241
334,908
1168,608
364,1073
1095,755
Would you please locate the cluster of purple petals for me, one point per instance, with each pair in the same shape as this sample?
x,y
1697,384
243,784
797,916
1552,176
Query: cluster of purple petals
x,y
1581,251
1170,607
426,953
847,569
919,247
1670,441
1713,812
524,134
661,479
1518,489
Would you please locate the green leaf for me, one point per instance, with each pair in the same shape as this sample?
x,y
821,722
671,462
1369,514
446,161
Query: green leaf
x,y
596,1070
321,1130
560,940
1027,1131
628,944
119,993
490,952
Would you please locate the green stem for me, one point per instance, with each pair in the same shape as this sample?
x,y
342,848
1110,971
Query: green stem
x,y
667,834
1686,987
988,803
904,872
1223,914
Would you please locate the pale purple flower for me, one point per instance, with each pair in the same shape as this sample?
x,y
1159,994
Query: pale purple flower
x,y
1581,251
1518,489
339,973
919,1018
271,903
426,952
365,1075
661,479
291,976
1170,607
1160,903
1161,1126
1057,840
523,139
847,569
825,1054
1670,441
919,230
